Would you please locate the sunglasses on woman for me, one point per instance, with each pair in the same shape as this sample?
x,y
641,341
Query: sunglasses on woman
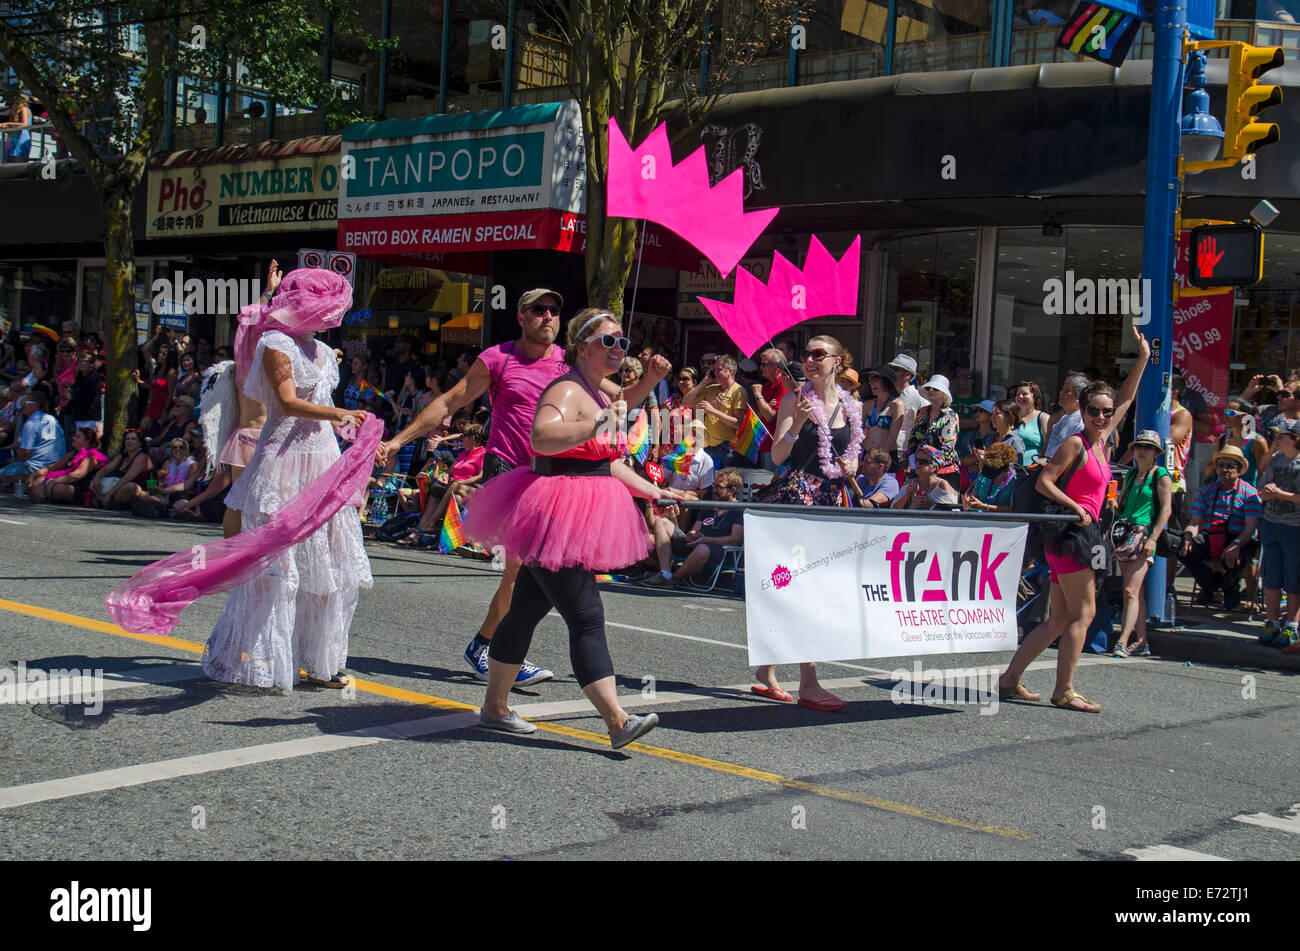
x,y
1095,411
610,341
818,354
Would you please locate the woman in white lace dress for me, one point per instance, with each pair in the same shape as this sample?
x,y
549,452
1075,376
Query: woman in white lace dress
x,y
297,614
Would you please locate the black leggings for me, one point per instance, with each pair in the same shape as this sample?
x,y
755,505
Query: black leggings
x,y
572,592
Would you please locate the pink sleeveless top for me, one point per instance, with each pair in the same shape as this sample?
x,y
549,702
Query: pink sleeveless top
x,y
1088,484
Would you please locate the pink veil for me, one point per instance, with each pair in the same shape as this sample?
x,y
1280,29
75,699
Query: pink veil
x,y
151,601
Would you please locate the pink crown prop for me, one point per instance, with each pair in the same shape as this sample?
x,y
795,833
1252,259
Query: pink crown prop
x,y
644,183
761,311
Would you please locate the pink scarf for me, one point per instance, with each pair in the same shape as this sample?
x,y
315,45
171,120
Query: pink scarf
x,y
95,456
151,601
308,301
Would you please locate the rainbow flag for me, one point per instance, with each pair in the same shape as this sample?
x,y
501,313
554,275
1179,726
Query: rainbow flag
x,y
604,577
453,532
1100,32
365,389
638,438
751,436
679,460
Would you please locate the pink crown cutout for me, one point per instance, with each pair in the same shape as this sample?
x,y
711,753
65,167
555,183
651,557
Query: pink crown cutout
x,y
645,184
761,311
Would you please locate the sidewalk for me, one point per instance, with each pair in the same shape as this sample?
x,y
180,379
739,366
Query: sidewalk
x,y
1216,636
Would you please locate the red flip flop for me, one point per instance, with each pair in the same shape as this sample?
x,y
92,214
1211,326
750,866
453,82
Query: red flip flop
x,y
773,693
825,706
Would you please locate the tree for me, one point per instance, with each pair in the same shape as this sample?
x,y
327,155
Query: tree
x,y
644,61
101,72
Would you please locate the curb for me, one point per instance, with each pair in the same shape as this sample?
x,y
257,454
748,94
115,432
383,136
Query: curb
x,y
1226,650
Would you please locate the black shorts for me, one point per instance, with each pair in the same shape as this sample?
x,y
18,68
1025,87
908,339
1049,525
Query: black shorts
x,y
494,465
681,549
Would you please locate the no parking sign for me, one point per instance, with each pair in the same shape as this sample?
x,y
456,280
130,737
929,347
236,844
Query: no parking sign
x,y
340,262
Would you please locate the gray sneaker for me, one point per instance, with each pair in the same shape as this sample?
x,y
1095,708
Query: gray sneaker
x,y
512,723
657,580
635,726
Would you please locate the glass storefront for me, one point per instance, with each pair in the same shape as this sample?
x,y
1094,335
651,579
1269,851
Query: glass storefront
x,y
38,293
927,299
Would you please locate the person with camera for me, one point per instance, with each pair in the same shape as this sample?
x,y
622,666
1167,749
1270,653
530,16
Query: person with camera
x,y
1145,505
1280,566
1218,540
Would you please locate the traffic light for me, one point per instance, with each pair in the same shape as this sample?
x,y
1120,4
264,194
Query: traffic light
x,y
1226,255
1246,97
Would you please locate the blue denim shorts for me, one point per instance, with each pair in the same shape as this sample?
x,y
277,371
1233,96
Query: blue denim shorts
x,y
1280,561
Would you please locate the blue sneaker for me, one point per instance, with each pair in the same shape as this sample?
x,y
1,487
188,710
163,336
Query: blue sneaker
x,y
476,655
1271,631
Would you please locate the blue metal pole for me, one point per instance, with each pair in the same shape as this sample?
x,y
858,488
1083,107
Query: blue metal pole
x,y
1159,241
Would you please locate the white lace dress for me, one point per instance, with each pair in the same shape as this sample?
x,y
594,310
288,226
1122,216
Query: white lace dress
x,y
298,613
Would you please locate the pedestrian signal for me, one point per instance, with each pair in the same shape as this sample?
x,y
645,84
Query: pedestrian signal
x,y
1226,255
1247,97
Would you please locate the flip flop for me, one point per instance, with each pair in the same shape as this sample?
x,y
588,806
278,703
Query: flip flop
x,y
1018,692
1077,702
830,705
773,693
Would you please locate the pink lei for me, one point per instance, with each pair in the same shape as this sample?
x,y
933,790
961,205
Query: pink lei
x,y
833,469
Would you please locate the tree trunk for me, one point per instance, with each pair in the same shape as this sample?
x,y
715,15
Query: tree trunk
x,y
119,292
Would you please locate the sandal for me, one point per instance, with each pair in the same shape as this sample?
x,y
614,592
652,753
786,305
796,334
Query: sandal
x,y
772,693
1076,701
1018,692
337,682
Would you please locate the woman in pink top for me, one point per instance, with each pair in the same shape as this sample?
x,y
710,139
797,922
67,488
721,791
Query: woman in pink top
x,y
1073,596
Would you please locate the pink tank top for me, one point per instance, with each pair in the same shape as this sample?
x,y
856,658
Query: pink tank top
x,y
517,384
1088,484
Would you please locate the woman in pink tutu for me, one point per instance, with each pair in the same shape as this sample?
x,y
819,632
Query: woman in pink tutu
x,y
567,516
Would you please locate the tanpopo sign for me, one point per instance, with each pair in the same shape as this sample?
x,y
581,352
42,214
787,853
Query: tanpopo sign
x,y
836,588
295,193
463,182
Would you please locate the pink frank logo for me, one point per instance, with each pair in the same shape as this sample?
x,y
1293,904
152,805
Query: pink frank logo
x,y
781,576
980,572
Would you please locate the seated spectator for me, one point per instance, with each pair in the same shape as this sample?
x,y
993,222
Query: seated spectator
x,y
926,490
702,545
466,474
1004,417
993,489
121,480
180,474
1220,533
177,422
67,479
879,488
40,443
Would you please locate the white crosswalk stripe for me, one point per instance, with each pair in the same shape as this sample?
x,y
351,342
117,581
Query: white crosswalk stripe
x,y
1170,853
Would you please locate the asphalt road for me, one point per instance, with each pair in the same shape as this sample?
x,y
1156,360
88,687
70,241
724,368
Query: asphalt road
x,y
175,766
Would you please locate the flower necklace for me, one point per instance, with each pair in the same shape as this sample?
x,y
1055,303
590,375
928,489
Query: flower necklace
x,y
833,469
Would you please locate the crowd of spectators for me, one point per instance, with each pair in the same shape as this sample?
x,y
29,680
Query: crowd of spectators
x,y
930,442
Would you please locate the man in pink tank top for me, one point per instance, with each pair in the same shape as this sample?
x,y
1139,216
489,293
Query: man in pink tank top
x,y
514,374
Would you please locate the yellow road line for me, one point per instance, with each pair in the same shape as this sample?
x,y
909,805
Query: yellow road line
x,y
676,756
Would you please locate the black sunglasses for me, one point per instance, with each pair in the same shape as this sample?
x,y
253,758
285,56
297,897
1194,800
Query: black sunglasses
x,y
1095,411
540,309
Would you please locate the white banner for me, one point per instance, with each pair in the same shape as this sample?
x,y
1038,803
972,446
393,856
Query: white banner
x,y
819,587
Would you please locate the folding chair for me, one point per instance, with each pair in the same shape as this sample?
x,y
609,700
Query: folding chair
x,y
732,558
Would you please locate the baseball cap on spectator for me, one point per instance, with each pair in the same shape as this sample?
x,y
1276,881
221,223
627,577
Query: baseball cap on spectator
x,y
1284,427
904,362
986,405
528,298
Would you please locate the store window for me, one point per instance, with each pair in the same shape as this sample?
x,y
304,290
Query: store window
x,y
415,59
1063,303
1266,328
845,39
934,35
38,293
927,297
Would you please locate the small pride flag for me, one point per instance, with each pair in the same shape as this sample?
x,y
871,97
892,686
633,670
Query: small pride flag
x,y
453,532
751,436
365,389
679,460
638,438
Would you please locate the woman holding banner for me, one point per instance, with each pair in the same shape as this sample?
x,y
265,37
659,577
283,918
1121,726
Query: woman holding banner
x,y
1075,480
819,433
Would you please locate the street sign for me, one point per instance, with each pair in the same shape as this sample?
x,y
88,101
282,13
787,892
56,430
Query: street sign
x,y
1226,255
1200,14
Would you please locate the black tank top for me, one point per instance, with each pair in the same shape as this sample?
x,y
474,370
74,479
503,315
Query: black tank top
x,y
803,455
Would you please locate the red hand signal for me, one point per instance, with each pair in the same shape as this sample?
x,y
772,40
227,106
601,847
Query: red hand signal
x,y
1208,256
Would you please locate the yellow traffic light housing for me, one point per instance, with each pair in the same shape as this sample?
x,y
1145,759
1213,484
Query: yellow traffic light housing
x,y
1247,97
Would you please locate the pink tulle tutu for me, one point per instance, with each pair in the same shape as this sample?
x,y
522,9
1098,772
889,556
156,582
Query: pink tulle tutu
x,y
556,521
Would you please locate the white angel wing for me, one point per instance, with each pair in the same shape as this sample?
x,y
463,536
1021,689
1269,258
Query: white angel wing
x,y
218,408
